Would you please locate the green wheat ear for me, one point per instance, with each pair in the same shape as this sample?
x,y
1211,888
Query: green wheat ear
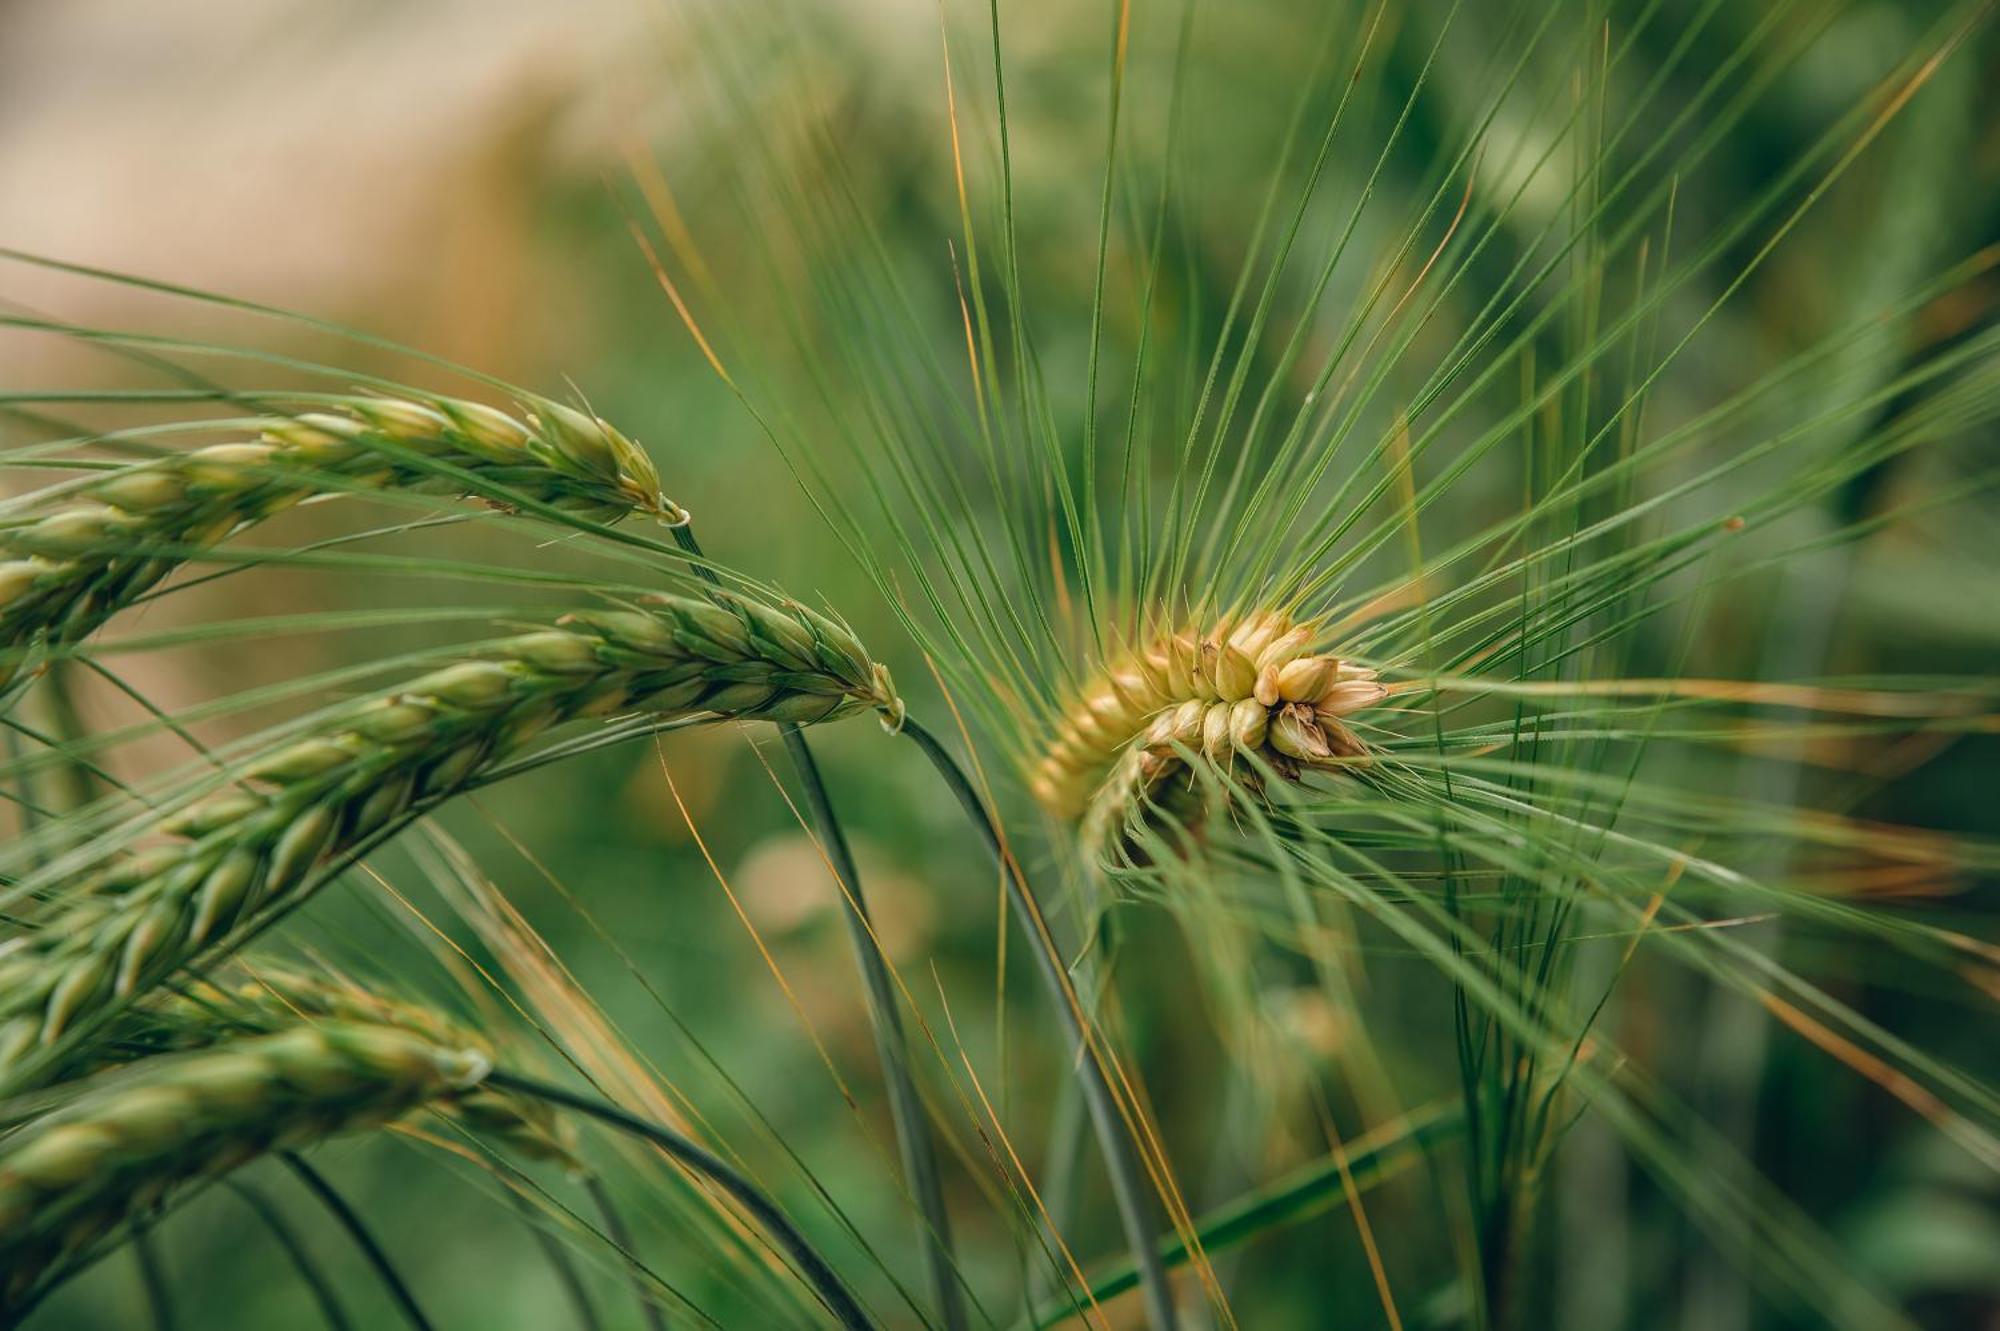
x,y
251,852
203,1014
70,1179
77,554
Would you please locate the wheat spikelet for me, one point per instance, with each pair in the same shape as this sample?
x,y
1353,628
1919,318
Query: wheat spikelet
x,y
275,999
1250,685
247,852
73,1176
82,555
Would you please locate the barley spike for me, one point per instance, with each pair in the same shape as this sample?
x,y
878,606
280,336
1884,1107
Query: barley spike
x,y
1251,686
250,851
72,1177
205,1013
71,561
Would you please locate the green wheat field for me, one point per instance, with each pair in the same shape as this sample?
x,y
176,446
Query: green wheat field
x,y
999,664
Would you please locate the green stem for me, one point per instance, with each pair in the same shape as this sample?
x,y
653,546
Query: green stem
x,y
914,1143
811,1265
620,1235
153,1275
364,1239
301,1258
79,778
906,1109
1058,1187
1113,1136
561,1263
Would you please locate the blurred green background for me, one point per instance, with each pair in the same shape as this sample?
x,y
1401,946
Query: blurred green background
x,y
455,176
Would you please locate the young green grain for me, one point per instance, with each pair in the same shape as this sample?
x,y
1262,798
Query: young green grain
x,y
251,851
72,556
203,1014
73,1177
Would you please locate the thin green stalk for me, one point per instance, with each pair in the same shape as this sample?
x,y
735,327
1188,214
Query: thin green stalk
x,y
1113,1137
829,1286
620,1235
906,1108
300,1257
562,1264
914,1142
1058,1187
77,785
364,1239
153,1276
20,793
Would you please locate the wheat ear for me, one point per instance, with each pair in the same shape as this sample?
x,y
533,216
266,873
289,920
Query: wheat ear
x,y
73,1177
251,851
274,999
1250,686
83,551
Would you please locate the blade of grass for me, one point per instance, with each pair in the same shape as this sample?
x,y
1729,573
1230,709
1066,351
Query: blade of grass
x,y
1305,1192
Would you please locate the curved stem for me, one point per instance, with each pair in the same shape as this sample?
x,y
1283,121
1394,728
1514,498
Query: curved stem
x,y
363,1237
301,1259
906,1109
812,1266
620,1235
561,1263
1113,1135
914,1143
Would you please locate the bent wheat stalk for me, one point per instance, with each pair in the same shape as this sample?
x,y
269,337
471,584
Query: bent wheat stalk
x,y
78,553
251,852
832,1291
915,1145
74,1177
372,1249
1117,1133
1250,687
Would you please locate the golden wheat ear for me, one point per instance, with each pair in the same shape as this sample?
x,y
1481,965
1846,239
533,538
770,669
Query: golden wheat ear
x,y
1249,689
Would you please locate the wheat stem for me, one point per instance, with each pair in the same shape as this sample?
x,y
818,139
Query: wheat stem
x,y
77,779
1114,1137
915,1144
906,1109
831,1290
1304,1192
560,1261
297,1253
620,1235
364,1238
153,1277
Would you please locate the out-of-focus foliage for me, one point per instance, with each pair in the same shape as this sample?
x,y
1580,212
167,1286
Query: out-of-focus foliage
x,y
468,178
